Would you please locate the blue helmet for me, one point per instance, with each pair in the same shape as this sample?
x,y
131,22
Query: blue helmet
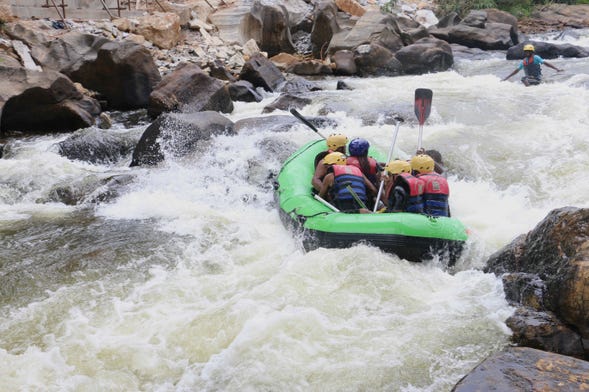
x,y
359,147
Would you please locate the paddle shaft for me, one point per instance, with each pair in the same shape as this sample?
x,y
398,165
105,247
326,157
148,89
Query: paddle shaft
x,y
381,186
355,196
325,203
302,119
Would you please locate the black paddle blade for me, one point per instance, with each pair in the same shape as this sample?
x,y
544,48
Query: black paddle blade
x,y
302,119
423,104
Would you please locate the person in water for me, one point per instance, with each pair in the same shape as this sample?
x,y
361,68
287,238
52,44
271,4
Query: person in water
x,y
345,185
358,156
335,143
403,191
531,64
435,187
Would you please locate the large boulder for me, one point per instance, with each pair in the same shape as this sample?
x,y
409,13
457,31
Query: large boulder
x,y
547,50
98,146
374,27
479,29
376,60
426,55
324,27
268,24
557,252
123,73
188,88
520,369
32,101
64,54
261,72
160,28
178,134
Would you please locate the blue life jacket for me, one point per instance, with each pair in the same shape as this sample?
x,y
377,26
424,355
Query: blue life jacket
x,y
348,175
435,194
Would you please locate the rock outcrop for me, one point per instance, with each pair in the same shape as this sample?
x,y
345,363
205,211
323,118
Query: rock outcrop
x,y
521,369
547,271
33,101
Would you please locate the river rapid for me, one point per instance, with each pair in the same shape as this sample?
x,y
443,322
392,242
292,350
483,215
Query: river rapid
x,y
189,282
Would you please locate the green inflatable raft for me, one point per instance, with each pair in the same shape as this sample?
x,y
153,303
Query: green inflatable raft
x,y
414,237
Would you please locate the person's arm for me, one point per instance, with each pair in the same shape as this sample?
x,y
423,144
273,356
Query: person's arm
x,y
320,171
369,185
510,75
327,183
546,63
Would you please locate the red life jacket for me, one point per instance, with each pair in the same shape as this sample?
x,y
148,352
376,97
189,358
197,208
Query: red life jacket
x,y
415,187
373,164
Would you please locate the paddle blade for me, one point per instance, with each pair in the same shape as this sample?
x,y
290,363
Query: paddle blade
x,y
302,119
423,104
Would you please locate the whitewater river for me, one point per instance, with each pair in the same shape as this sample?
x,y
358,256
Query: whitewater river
x,y
187,281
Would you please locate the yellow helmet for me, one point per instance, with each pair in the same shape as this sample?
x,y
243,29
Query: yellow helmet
x,y
422,163
335,158
397,166
336,140
529,47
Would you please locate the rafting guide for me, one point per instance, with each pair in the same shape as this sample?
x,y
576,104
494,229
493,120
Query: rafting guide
x,y
531,64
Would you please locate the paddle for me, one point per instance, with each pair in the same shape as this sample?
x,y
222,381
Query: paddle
x,y
354,195
423,105
325,203
298,115
381,186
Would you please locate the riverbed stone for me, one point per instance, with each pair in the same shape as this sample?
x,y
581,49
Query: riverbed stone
x,y
522,369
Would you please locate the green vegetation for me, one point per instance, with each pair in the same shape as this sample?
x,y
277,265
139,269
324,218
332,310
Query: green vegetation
x,y
518,8
388,5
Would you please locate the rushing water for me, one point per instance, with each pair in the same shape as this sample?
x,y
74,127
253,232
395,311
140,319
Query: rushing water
x,y
187,281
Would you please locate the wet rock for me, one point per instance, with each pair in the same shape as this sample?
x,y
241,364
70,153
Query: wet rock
x,y
557,251
547,50
544,331
98,146
299,84
526,369
341,85
286,102
90,189
242,90
178,134
274,123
